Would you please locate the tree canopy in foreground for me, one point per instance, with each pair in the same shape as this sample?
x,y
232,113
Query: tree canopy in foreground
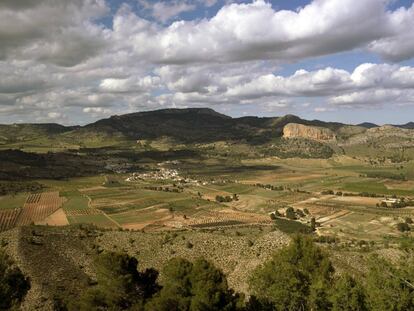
x,y
298,277
13,284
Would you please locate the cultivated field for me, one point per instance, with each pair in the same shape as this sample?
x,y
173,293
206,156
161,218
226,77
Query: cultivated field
x,y
39,206
8,218
58,218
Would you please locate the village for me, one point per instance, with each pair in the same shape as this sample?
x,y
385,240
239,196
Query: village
x,y
160,174
164,174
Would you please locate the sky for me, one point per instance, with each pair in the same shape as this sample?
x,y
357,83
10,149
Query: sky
x,y
74,62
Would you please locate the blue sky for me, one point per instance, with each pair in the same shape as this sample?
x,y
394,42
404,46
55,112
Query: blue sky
x,y
341,60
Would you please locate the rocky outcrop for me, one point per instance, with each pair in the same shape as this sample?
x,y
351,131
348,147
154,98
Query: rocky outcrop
x,y
295,130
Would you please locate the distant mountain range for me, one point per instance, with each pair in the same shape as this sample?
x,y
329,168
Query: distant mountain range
x,y
187,125
201,126
368,125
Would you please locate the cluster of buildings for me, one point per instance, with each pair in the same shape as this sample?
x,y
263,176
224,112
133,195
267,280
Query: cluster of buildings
x,y
164,174
161,174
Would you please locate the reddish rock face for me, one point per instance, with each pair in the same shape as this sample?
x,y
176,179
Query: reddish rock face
x,y
294,130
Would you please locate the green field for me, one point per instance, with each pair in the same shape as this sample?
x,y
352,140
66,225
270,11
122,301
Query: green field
x,y
374,186
99,220
75,201
12,201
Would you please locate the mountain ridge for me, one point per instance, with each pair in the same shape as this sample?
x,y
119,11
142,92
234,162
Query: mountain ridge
x,y
204,110
187,125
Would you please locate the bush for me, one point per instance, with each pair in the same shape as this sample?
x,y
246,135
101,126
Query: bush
x,y
290,213
300,213
313,224
403,227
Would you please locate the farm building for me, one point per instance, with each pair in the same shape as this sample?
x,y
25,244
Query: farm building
x,y
390,202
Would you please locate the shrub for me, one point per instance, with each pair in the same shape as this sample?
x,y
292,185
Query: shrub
x,y
290,213
313,224
403,227
300,213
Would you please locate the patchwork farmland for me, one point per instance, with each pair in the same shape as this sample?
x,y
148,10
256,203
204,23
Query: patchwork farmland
x,y
249,190
36,208
39,206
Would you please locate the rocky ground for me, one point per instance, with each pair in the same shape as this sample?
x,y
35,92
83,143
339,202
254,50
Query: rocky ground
x,y
236,255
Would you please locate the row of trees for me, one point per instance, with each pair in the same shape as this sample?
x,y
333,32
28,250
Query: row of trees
x,y
351,194
299,277
14,187
227,198
165,189
270,187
